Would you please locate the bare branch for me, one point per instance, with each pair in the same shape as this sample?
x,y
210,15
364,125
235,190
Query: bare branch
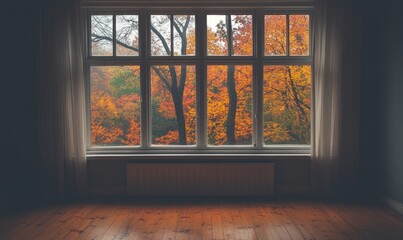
x,y
98,38
162,39
162,77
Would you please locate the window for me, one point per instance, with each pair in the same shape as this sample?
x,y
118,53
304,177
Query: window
x,y
199,81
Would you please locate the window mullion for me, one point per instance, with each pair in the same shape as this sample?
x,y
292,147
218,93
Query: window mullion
x,y
258,77
143,18
201,81
288,34
172,34
229,38
114,35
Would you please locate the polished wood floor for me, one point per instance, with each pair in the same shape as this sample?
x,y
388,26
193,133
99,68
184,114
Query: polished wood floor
x,y
225,220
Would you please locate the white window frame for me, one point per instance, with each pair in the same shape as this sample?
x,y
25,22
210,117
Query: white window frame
x,y
200,60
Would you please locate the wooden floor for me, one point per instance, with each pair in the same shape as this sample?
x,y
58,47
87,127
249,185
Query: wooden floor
x,y
229,220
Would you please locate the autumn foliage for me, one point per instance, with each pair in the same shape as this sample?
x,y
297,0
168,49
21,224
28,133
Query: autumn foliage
x,y
116,99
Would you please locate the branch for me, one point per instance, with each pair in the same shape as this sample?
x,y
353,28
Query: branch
x,y
117,42
164,43
162,77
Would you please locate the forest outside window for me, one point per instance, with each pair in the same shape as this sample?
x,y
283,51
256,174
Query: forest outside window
x,y
199,81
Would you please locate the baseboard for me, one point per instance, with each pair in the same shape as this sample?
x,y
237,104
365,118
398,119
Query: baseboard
x,y
293,190
280,190
393,204
108,191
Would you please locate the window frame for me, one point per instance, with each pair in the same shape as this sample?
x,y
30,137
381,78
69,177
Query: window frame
x,y
201,60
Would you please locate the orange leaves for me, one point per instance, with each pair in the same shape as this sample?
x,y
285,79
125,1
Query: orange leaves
x,y
287,100
275,35
166,84
218,104
115,90
102,135
115,118
299,34
170,138
133,135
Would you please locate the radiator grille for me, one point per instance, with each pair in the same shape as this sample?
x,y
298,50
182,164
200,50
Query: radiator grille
x,y
178,179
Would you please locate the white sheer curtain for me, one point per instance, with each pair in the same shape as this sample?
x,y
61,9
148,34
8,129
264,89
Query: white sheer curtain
x,y
61,101
336,94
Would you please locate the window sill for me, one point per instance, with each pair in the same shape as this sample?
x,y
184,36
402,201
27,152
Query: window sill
x,y
198,157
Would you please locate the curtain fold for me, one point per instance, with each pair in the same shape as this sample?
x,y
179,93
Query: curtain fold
x,y
61,101
336,97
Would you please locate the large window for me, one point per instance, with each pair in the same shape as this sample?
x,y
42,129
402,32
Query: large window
x,y
199,81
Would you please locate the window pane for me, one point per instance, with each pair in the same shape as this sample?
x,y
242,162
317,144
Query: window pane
x,y
115,105
173,104
229,104
275,35
299,35
127,35
217,35
184,35
101,35
160,35
287,104
242,35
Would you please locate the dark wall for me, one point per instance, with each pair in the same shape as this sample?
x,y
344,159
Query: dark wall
x,y
18,161
382,98
392,107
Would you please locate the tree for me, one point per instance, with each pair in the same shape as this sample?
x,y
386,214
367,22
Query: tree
x,y
173,81
115,90
240,27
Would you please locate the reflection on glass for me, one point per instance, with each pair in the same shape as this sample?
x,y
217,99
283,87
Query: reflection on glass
x,y
173,104
101,35
184,35
160,35
229,104
115,105
127,35
287,104
275,35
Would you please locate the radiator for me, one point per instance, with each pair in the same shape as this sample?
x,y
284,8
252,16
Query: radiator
x,y
200,179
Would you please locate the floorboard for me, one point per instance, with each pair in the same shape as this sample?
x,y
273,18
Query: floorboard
x,y
248,220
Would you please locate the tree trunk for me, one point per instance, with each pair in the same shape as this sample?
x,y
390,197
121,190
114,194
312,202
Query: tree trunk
x,y
232,96
180,117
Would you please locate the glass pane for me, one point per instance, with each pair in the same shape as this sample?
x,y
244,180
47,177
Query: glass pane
x,y
287,104
217,35
101,35
115,105
160,35
242,35
229,104
184,35
127,35
299,35
275,35
173,104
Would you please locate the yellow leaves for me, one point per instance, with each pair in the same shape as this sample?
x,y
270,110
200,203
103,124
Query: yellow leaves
x,y
105,102
275,133
275,35
114,120
287,98
163,107
299,34
100,134
133,136
170,138
218,103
